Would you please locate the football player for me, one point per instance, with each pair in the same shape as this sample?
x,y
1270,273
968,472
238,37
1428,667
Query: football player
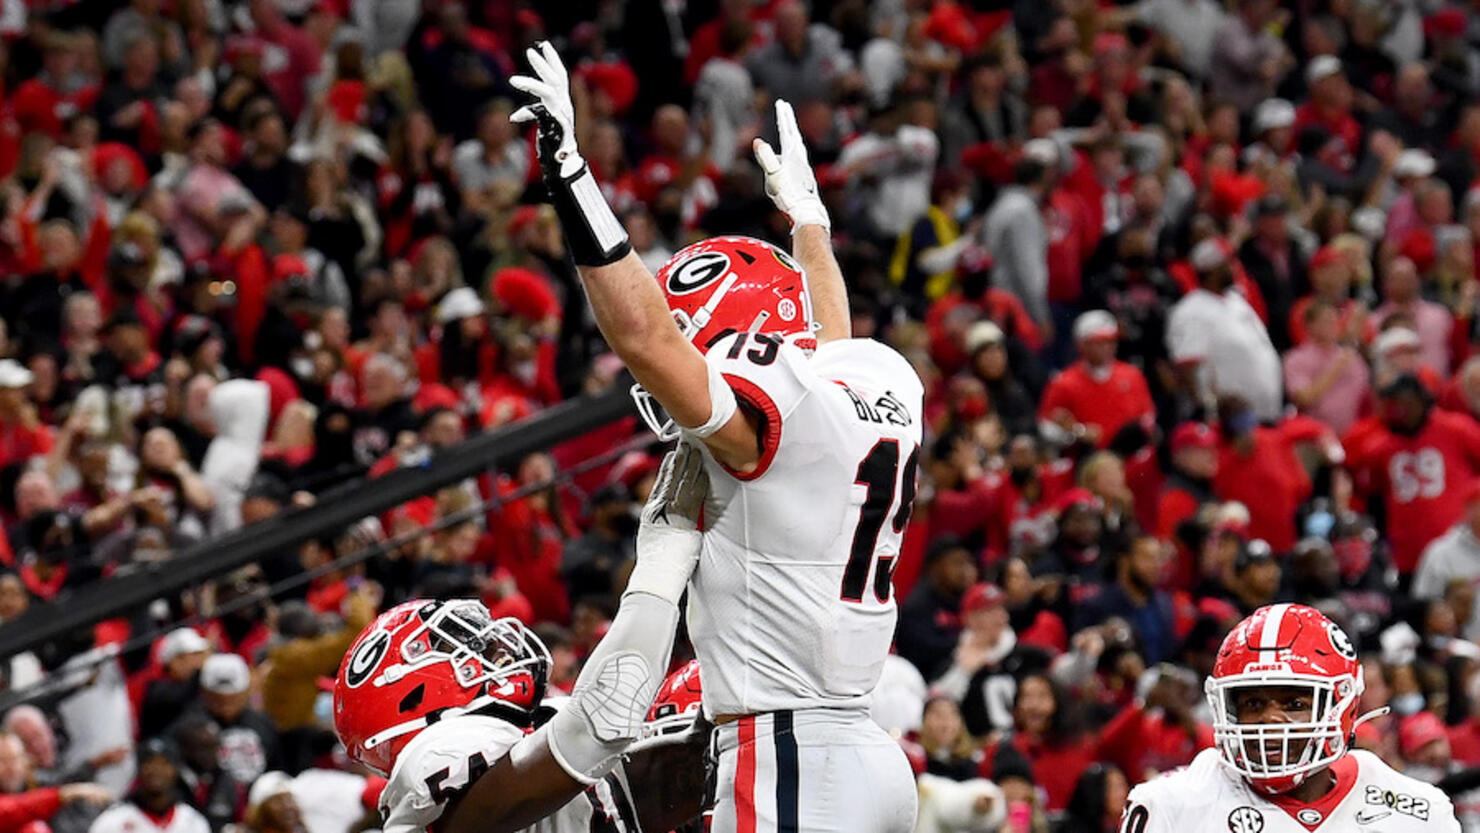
x,y
811,439
449,703
1284,694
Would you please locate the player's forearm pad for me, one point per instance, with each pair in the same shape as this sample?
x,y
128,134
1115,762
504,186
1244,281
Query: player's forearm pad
x,y
592,231
616,688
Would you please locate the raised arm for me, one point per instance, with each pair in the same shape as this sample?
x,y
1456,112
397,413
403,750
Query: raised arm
x,y
792,186
625,298
612,695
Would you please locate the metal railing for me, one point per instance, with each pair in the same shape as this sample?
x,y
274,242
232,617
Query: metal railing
x,y
335,511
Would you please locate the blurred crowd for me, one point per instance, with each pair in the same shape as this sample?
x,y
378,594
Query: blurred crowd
x,y
1192,285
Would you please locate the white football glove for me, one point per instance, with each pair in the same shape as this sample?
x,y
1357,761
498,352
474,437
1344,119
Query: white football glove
x,y
790,182
554,111
668,538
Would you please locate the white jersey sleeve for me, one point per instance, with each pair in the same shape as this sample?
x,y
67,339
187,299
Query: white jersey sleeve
x,y
768,376
792,603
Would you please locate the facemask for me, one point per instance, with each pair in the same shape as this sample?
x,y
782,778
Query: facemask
x,y
525,372
963,210
1020,477
1406,704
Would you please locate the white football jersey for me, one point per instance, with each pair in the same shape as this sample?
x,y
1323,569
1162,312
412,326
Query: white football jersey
x,y
1208,797
791,606
446,757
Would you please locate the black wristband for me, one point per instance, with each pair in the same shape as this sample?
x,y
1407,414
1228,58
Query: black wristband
x,y
592,232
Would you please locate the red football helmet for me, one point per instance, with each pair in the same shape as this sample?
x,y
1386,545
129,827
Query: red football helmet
x,y
677,704
424,661
1286,645
727,285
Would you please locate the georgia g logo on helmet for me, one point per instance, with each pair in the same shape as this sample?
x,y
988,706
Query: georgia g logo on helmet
x,y
366,659
697,272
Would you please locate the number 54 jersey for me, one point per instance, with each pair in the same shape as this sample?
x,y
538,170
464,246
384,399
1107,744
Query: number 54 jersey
x,y
791,606
445,758
1208,797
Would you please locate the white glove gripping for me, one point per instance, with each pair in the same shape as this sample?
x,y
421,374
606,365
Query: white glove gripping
x,y
722,406
594,235
668,539
790,182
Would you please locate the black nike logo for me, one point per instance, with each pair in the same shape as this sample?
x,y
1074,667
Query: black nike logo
x,y
1369,816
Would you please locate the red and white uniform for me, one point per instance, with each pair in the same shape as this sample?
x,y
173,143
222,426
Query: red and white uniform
x,y
128,818
447,756
1207,797
792,608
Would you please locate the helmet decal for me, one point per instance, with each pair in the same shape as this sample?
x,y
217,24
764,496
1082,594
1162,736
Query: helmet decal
x,y
366,659
1340,642
697,272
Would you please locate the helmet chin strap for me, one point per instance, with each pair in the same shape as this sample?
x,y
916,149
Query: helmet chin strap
x,y
704,313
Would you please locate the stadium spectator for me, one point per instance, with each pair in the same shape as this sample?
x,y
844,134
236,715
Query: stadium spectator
x,y
306,651
1325,377
205,785
181,654
272,807
929,620
1219,344
249,740
987,662
1098,395
1135,598
1433,322
1453,556
156,795
1428,457
1015,235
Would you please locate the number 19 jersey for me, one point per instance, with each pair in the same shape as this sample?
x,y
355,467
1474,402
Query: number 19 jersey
x,y
791,606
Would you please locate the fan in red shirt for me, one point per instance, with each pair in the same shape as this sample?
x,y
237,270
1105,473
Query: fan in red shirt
x,y
1188,486
1096,396
1418,459
669,165
1330,105
22,436
1257,467
59,92
1020,513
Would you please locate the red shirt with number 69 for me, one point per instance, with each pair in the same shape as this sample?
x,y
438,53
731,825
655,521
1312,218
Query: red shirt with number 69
x,y
1421,478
